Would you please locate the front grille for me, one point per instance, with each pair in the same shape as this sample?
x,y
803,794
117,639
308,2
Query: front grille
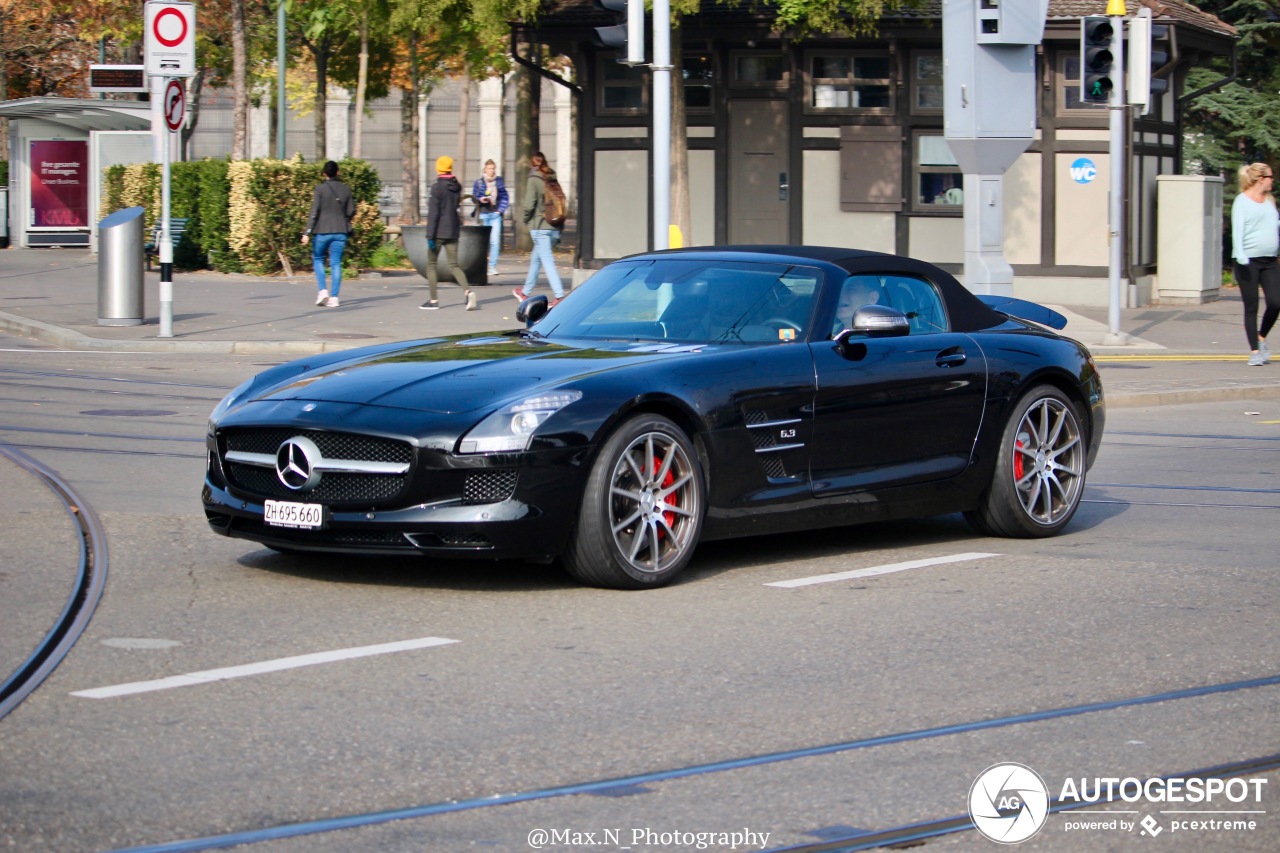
x,y
487,487
333,487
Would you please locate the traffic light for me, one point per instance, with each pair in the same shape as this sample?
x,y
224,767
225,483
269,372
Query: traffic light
x,y
1150,49
627,35
1096,59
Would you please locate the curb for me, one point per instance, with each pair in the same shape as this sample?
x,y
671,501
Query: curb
x,y
75,340
1191,395
78,341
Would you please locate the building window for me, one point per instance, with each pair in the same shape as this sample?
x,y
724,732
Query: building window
x,y
926,82
622,88
1068,87
758,69
850,82
939,184
699,81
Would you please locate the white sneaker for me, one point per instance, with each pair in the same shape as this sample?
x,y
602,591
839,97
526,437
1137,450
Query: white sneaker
x,y
321,296
332,302
493,270
1265,351
1256,359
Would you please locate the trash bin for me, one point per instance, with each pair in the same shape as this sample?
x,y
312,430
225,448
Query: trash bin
x,y
120,256
473,252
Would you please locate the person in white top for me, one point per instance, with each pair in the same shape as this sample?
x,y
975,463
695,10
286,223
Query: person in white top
x,y
1255,240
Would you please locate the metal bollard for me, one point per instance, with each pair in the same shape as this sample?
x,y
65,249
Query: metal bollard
x,y
120,259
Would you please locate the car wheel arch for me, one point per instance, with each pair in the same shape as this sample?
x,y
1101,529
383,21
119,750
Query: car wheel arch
x,y
673,409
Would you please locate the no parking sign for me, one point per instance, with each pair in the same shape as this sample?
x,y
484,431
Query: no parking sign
x,y
170,36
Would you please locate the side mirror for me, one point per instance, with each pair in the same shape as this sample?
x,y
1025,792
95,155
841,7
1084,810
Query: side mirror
x,y
532,309
880,321
871,321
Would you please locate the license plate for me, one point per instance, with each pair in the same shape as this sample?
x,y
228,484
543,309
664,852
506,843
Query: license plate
x,y
291,514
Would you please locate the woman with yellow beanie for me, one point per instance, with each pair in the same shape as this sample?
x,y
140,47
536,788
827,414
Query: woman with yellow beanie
x,y
443,227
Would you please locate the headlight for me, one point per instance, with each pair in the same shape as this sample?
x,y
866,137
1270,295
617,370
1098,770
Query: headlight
x,y
221,409
511,427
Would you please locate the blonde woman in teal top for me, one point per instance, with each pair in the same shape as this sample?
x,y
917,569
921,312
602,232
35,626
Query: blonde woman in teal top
x,y
1255,240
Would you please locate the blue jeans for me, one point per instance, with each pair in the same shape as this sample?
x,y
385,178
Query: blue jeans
x,y
494,221
333,245
541,256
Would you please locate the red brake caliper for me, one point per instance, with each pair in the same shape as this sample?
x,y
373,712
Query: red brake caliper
x,y
668,517
1017,459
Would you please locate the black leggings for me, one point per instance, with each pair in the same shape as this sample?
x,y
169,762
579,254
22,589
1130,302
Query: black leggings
x,y
1264,273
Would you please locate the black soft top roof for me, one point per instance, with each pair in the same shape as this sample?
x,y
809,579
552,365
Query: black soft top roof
x,y
967,312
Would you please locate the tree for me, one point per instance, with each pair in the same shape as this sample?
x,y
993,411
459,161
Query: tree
x,y
1240,122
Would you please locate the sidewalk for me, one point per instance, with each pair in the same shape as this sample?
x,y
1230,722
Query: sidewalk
x,y
1174,354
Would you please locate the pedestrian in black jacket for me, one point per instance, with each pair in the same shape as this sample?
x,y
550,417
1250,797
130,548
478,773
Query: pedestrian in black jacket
x,y
332,207
443,227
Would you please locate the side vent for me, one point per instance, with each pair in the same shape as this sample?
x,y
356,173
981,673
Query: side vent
x,y
768,437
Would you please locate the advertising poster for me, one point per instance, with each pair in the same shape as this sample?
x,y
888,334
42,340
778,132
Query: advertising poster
x,y
59,184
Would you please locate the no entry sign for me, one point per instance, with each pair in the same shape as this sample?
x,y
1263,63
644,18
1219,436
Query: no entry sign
x,y
175,104
170,37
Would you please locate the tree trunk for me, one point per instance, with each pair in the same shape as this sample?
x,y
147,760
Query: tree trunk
x,y
464,113
4,89
528,134
239,84
409,206
362,81
322,95
195,86
681,214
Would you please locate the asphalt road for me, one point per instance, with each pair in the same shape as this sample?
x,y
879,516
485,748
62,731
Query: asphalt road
x,y
720,704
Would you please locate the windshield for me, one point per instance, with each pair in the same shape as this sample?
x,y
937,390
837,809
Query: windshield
x,y
686,301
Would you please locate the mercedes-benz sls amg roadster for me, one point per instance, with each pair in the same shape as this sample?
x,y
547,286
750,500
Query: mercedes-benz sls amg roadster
x,y
672,398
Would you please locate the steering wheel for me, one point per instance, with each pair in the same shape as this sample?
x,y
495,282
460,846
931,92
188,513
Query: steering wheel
x,y
783,323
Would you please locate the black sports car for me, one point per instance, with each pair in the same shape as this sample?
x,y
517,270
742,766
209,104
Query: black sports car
x,y
674,397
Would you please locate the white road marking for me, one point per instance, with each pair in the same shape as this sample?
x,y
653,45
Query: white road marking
x,y
208,675
881,570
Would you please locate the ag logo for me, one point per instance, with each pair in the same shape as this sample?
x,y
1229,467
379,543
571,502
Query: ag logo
x,y
1008,803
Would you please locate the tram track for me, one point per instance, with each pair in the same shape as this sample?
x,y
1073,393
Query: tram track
x,y
910,835
91,579
903,835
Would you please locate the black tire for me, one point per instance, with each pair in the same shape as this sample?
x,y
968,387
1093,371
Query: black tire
x,y
1040,472
642,508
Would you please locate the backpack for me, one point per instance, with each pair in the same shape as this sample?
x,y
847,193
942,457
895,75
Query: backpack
x,y
554,207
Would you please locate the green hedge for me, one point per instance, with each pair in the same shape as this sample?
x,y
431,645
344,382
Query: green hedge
x,y
4,173
249,226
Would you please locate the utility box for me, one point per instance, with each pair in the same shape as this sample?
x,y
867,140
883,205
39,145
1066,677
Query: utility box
x,y
120,257
1188,238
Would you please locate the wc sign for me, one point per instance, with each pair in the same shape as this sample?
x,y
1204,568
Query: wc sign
x,y
1083,171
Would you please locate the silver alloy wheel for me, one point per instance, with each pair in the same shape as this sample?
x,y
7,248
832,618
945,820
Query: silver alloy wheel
x,y
1048,461
654,502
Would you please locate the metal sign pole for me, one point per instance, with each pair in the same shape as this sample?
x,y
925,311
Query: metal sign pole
x,y
166,239
661,124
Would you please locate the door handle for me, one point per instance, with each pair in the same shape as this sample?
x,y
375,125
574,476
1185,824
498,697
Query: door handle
x,y
783,186
953,357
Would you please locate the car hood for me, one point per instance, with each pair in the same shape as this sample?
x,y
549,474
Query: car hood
x,y
461,374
